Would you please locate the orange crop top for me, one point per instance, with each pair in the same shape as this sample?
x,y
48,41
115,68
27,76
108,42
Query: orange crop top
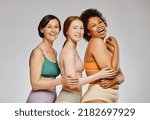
x,y
91,67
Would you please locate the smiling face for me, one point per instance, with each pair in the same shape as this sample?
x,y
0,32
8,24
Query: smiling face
x,y
75,31
96,28
51,30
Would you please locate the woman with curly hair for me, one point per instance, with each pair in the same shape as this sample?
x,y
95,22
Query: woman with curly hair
x,y
101,52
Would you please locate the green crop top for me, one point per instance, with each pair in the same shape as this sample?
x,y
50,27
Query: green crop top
x,y
50,69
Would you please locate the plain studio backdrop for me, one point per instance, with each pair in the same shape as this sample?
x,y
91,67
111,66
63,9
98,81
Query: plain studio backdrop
x,y
128,21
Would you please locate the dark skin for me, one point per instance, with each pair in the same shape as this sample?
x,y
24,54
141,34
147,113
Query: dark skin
x,y
114,83
107,83
108,54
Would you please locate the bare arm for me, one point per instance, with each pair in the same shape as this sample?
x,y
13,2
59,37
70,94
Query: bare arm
x,y
105,60
69,67
102,55
120,77
104,73
106,83
38,83
111,41
69,62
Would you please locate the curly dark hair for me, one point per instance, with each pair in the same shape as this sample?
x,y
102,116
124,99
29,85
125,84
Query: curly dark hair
x,y
85,15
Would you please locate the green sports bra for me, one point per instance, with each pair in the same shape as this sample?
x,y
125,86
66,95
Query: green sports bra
x,y
50,69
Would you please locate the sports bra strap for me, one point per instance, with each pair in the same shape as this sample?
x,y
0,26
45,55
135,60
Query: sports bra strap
x,y
44,54
41,51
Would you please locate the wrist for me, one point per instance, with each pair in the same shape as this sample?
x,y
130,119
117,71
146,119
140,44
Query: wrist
x,y
61,80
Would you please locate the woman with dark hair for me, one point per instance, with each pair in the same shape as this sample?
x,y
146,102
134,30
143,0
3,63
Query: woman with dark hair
x,y
43,63
71,64
101,52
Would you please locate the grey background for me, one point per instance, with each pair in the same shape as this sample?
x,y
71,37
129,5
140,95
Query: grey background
x,y
128,21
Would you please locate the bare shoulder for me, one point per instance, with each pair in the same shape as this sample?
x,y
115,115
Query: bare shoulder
x,y
68,51
36,53
97,42
67,54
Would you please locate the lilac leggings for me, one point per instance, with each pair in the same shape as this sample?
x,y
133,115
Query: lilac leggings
x,y
42,96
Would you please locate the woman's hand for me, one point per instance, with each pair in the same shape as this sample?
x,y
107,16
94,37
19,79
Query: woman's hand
x,y
107,73
106,83
110,48
70,82
111,43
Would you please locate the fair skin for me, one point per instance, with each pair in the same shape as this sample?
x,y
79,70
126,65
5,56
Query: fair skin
x,y
69,55
72,63
107,55
51,32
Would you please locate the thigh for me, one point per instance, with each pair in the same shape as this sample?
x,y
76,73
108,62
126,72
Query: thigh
x,y
41,97
97,94
68,97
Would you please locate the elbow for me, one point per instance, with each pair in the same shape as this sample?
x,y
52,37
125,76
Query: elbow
x,y
34,86
111,66
122,79
115,67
